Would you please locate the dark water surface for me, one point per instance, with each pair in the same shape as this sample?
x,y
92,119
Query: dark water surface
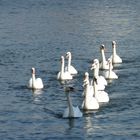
x,y
35,33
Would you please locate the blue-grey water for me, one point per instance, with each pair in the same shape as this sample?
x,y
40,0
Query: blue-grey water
x,y
35,33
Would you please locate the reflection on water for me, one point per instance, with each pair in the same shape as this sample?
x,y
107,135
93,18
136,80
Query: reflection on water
x,y
89,127
37,95
71,122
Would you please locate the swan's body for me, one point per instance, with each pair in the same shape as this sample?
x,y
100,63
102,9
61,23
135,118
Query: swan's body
x,y
71,69
103,64
101,81
35,83
63,75
115,58
101,96
110,74
90,102
71,111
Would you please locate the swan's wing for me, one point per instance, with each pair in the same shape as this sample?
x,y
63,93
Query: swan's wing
x,y
102,80
114,75
73,70
39,83
68,76
77,112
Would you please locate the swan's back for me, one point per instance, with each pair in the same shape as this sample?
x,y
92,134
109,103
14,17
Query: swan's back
x,y
102,96
39,83
116,59
71,70
76,113
101,80
110,75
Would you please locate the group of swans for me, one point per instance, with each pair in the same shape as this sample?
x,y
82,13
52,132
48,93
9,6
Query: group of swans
x,y
107,65
66,73
93,93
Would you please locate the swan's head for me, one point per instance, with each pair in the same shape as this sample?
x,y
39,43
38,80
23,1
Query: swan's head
x,y
86,74
62,59
113,43
86,79
95,64
109,60
68,54
33,70
102,47
96,61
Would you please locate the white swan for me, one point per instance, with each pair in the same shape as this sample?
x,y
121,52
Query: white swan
x,y
101,96
71,111
89,102
110,74
115,58
100,79
69,67
103,64
35,83
63,75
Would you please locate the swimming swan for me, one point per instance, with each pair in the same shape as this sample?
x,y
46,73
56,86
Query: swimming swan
x,y
69,67
101,81
35,83
103,64
110,74
89,102
115,58
71,111
63,75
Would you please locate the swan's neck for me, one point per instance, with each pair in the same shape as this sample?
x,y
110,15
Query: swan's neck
x,y
33,80
110,68
96,72
114,49
69,61
103,56
95,88
62,67
70,106
86,94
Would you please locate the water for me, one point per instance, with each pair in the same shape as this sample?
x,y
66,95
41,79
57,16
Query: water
x,y
35,33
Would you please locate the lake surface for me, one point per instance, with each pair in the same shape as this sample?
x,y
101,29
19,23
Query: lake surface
x,y
35,33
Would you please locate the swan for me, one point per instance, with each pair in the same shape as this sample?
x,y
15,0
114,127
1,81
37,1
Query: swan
x,y
110,74
35,83
71,111
63,75
86,81
115,58
100,79
104,63
89,102
101,96
69,67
